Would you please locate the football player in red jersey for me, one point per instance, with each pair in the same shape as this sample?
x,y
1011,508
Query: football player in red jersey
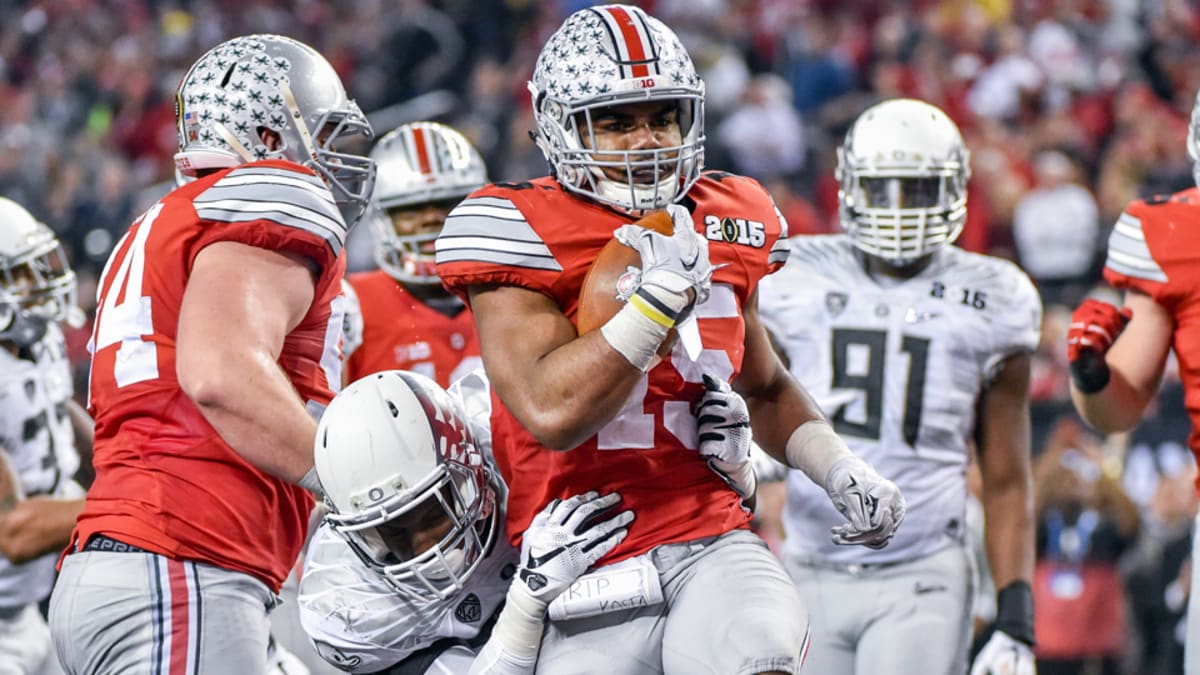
x,y
1117,355
215,347
619,114
410,322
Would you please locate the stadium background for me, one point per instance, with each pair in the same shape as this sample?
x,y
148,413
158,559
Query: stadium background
x,y
1070,109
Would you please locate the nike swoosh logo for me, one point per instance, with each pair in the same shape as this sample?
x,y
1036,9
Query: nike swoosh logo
x,y
536,561
921,589
689,266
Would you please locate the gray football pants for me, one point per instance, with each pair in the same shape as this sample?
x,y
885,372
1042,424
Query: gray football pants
x,y
899,619
145,614
728,608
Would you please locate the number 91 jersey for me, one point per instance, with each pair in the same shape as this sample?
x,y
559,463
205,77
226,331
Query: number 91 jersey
x,y
898,366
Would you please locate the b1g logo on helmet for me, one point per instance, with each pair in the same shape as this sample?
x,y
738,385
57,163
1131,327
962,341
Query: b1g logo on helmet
x,y
735,231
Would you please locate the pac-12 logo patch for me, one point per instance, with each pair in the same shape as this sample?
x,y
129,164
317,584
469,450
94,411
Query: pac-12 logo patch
x,y
468,611
835,302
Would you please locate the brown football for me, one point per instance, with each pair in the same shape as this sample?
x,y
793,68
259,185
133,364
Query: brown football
x,y
598,300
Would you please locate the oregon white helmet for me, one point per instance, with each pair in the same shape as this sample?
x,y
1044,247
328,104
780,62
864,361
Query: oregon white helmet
x,y
405,483
419,163
612,55
37,284
256,82
903,172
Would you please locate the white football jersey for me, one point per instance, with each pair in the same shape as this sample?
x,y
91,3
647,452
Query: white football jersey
x,y
898,367
39,443
360,624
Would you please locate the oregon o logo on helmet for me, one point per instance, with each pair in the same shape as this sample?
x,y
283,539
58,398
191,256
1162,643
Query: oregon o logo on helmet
x,y
644,83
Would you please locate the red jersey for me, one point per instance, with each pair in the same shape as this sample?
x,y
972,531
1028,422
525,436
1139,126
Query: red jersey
x,y
540,237
1155,248
400,331
165,480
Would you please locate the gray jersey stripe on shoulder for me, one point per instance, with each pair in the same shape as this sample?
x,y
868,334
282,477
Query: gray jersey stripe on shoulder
x,y
494,257
485,200
240,214
295,212
452,243
461,224
1128,241
483,211
282,189
1138,268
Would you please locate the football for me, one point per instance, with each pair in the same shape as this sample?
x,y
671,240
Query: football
x,y
598,299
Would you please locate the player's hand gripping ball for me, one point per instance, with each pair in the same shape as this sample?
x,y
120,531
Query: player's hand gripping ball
x,y
614,276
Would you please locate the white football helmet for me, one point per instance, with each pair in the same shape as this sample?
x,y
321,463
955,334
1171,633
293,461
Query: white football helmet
x,y
399,468
37,285
612,55
419,163
903,172
257,82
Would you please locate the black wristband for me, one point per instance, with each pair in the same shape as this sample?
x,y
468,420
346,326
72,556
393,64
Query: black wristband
x,y
1090,372
1014,611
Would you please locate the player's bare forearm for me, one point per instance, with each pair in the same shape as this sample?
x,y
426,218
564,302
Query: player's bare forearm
x,y
252,405
1009,532
1003,436
1136,362
37,526
239,306
1116,408
561,386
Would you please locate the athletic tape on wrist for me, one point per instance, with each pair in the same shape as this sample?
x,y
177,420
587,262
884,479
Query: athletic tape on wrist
x,y
519,627
814,447
635,335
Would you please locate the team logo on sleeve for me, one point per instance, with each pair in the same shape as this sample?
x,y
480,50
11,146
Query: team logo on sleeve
x,y
835,302
468,611
735,231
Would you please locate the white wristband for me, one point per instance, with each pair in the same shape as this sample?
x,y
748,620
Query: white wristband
x,y
814,447
635,336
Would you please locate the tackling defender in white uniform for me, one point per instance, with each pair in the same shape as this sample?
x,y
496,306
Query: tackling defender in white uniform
x,y
409,571
916,350
38,426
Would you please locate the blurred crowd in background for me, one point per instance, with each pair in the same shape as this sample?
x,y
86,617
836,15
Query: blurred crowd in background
x,y
1070,108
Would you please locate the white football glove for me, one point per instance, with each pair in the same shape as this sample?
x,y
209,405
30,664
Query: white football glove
x,y
564,540
671,266
723,426
872,503
1004,655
